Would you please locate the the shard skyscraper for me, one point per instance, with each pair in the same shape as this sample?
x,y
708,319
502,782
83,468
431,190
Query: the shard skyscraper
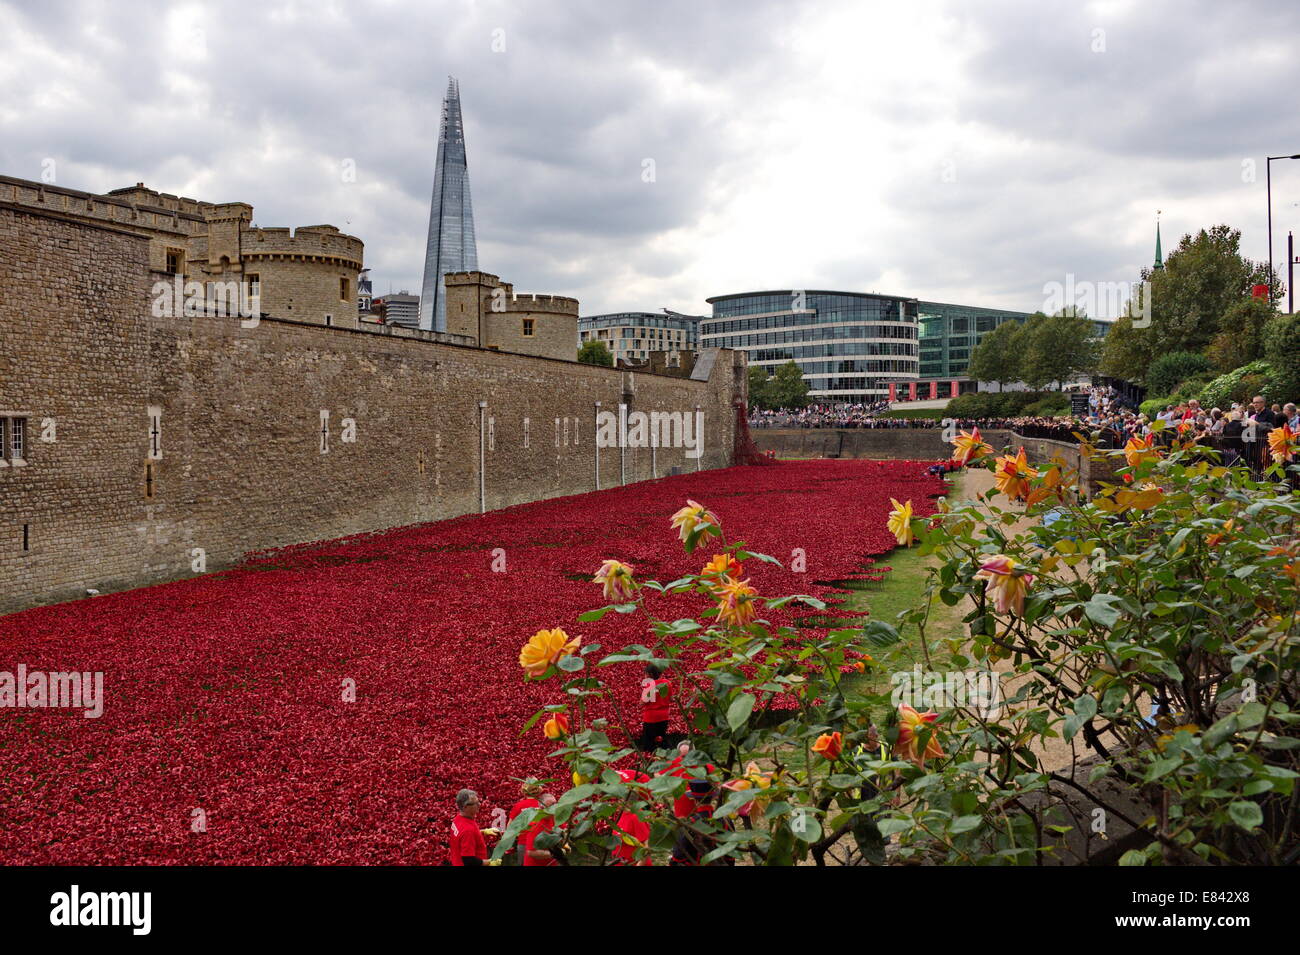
x,y
451,245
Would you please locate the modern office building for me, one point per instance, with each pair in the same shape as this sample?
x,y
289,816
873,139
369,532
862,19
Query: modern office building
x,y
851,345
949,334
399,308
634,335
451,246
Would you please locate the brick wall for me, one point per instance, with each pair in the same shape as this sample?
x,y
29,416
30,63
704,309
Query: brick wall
x,y
241,466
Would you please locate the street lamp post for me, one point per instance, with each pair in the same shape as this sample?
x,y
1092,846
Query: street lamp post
x,y
1268,179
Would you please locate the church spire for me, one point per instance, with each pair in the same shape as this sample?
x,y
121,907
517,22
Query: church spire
x,y
1159,261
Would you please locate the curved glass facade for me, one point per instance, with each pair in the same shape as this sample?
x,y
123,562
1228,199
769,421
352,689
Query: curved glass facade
x,y
850,345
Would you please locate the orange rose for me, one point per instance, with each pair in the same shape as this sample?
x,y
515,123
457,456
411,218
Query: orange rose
x,y
557,727
829,745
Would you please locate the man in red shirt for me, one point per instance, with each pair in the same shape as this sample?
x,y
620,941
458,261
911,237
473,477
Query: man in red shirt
x,y
467,844
656,695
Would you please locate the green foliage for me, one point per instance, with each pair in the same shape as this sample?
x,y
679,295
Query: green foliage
x,y
1054,405
759,392
1282,349
1169,371
1241,384
1005,404
787,387
1153,406
1240,339
1200,300
1174,585
931,414
1056,348
1196,299
1125,351
998,357
1192,387
1203,278
594,352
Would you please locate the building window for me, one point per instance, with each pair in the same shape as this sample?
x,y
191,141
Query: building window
x,y
329,319
13,440
343,290
528,328
175,261
254,281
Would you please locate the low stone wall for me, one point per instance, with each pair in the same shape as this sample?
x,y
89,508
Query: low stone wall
x,y
919,444
892,444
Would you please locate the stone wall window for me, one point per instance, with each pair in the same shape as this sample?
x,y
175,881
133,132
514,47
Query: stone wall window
x,y
343,290
13,440
176,261
528,328
254,281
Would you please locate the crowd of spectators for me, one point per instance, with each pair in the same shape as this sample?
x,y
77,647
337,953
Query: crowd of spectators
x,y
820,416
1239,431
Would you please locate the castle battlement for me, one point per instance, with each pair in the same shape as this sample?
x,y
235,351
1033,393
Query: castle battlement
x,y
315,240
130,208
559,304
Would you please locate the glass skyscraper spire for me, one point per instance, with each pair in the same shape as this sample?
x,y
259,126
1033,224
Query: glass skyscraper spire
x,y
451,246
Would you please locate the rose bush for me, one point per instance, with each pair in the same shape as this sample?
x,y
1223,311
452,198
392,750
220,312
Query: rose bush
x,y
1148,631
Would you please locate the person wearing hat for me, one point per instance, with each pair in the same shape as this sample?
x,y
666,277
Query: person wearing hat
x,y
684,805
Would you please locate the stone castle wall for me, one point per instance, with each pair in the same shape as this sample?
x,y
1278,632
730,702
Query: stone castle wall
x,y
482,306
299,270
253,424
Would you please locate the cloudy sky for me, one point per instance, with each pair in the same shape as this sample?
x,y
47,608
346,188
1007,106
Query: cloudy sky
x,y
646,155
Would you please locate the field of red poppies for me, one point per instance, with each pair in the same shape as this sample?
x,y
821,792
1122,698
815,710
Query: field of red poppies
x,y
226,693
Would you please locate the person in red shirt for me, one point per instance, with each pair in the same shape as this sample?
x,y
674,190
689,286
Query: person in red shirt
x,y
656,695
631,827
531,789
684,805
543,823
468,846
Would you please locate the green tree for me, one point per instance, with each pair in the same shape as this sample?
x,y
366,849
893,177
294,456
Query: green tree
x,y
1057,347
1126,351
1191,302
998,356
594,352
788,389
1241,337
759,390
1282,349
